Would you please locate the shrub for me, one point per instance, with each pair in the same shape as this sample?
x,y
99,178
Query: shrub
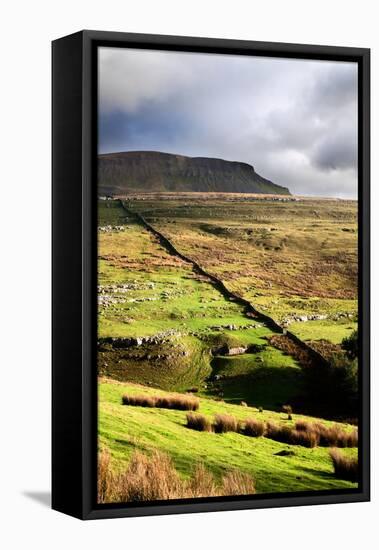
x,y
350,344
139,400
344,467
198,422
155,478
225,423
254,428
334,388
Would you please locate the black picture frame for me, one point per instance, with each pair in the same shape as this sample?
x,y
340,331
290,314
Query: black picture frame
x,y
74,377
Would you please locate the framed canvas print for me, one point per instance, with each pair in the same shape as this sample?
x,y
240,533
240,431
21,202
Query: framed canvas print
x,y
210,274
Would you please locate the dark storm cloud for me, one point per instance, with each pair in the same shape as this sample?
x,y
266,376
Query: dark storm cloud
x,y
336,153
294,121
145,130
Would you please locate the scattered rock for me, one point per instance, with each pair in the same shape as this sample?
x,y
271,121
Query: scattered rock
x,y
236,351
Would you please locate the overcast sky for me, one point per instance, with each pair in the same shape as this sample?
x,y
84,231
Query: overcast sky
x,y
295,121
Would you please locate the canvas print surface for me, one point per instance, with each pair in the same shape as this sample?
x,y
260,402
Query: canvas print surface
x,y
227,276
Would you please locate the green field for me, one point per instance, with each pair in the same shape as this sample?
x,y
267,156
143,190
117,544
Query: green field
x,y
164,327
123,429
289,259
166,295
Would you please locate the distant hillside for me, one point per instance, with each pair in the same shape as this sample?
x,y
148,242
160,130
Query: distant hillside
x,y
121,173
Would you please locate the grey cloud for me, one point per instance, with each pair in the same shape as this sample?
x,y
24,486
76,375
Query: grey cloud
x,y
336,154
294,120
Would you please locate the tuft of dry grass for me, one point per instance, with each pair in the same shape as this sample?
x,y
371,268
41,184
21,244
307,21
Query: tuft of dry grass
x,y
254,427
202,484
146,478
225,423
344,467
329,436
149,478
104,477
138,400
304,438
302,426
334,436
199,422
285,434
277,433
155,478
178,402
237,483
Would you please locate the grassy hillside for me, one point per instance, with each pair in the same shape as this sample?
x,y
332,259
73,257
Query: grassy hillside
x,y
163,327
145,292
295,261
124,429
267,378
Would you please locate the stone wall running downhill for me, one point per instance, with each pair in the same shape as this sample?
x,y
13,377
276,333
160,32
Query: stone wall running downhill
x,y
249,308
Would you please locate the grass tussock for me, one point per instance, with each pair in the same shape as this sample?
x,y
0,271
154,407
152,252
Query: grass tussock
x,y
155,478
302,425
138,400
329,436
225,423
291,436
201,484
105,479
344,467
254,427
199,422
178,402
334,436
305,439
237,483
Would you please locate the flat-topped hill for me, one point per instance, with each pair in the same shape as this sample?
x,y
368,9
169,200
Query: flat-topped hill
x,y
133,171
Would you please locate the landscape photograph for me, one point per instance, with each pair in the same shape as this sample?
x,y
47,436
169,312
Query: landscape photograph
x,y
227,279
